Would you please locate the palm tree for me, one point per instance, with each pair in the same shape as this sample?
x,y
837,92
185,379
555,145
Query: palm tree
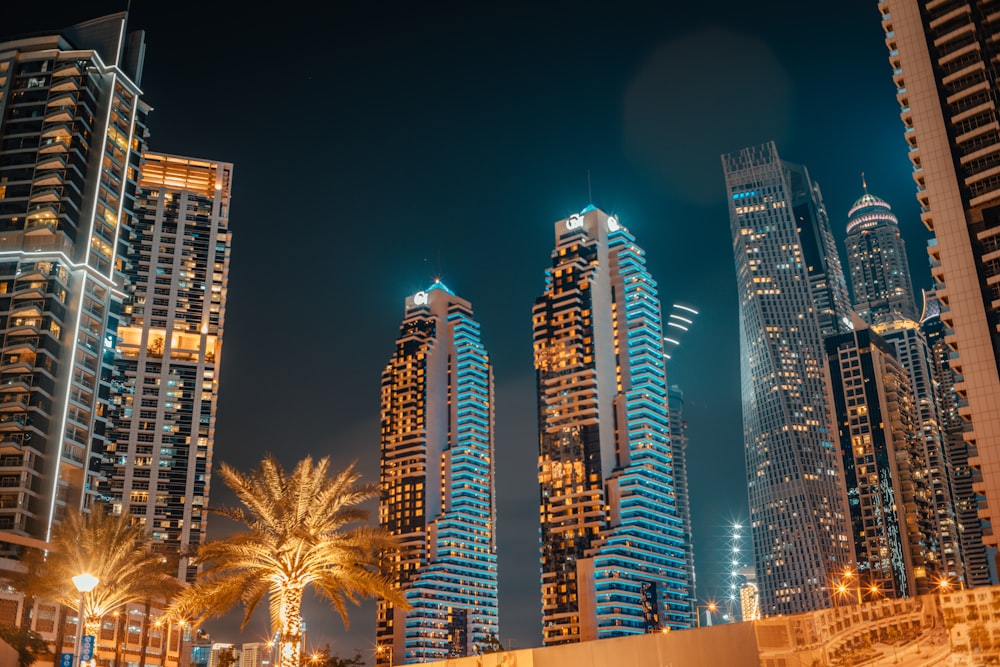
x,y
109,547
299,533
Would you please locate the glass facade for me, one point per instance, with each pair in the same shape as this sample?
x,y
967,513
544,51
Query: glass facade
x,y
615,549
437,484
791,293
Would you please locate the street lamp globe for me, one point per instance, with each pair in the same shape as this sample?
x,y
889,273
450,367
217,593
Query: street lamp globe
x,y
85,582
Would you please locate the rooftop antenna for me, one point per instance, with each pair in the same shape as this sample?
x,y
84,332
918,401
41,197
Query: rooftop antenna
x,y
590,197
864,184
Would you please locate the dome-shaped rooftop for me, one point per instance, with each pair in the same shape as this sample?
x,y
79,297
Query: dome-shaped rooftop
x,y
869,211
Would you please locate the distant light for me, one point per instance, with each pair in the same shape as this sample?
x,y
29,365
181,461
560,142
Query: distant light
x,y
690,310
671,340
679,326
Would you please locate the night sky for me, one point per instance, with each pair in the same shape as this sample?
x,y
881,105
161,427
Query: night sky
x,y
378,147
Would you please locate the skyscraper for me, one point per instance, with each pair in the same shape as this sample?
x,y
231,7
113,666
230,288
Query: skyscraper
x,y
876,256
956,452
165,389
70,123
791,292
613,551
437,484
943,58
889,498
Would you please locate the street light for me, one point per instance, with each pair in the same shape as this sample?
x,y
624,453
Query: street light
x,y
84,583
711,608
384,649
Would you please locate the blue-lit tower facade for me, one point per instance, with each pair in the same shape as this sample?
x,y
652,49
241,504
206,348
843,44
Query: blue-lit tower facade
x,y
614,552
791,292
437,484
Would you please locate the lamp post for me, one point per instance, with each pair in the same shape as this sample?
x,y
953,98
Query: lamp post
x,y
84,584
710,609
384,649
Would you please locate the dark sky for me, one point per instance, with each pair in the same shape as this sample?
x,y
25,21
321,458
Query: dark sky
x,y
377,147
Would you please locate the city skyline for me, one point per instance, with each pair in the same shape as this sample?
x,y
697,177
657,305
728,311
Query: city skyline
x,y
574,126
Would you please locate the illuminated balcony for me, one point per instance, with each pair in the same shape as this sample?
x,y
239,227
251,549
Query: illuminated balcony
x,y
56,145
24,326
43,221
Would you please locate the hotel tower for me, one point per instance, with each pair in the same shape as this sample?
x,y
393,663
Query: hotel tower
x,y
792,293
614,549
71,130
943,57
166,383
437,484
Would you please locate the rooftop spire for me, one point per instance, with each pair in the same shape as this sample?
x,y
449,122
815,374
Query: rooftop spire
x,y
864,184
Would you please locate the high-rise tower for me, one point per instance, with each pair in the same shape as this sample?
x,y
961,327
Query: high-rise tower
x,y
791,292
956,453
165,390
437,482
613,549
71,129
889,496
876,257
943,56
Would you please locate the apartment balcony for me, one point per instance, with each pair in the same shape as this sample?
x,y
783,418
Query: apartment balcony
x,y
12,422
65,86
42,223
16,383
51,161
47,179
24,327
29,291
45,194
65,69
22,346
58,144
65,100
27,308
60,115
13,402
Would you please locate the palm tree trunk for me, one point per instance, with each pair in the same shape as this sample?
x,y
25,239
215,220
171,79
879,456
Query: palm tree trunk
x,y
144,639
60,632
290,618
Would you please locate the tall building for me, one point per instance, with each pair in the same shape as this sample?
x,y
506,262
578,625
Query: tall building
x,y
71,129
889,498
679,445
878,267
437,484
910,347
166,383
943,55
956,453
614,556
791,293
